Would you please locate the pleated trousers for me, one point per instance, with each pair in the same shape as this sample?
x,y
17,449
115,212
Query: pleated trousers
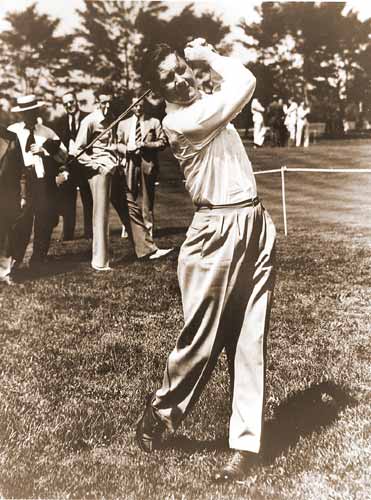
x,y
226,278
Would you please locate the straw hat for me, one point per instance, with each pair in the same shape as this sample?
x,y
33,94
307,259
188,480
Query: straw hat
x,y
27,102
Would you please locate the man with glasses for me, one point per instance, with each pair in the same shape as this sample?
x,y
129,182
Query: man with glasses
x,y
101,162
67,127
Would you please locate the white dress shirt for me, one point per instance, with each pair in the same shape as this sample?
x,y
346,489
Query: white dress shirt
x,y
131,142
71,118
30,159
208,147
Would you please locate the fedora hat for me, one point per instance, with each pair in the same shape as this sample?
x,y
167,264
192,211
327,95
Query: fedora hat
x,y
27,102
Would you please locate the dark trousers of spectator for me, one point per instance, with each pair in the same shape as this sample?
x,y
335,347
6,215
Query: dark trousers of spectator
x,y
67,198
8,213
131,216
40,213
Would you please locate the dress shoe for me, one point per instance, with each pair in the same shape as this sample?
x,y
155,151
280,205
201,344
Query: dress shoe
x,y
7,280
107,268
149,428
160,253
236,468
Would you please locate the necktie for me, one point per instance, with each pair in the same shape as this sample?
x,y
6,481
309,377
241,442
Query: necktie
x,y
30,139
73,127
138,133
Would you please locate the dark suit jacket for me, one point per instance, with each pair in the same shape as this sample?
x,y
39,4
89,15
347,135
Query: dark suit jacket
x,y
11,168
62,127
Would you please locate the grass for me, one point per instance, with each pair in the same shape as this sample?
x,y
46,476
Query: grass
x,y
80,350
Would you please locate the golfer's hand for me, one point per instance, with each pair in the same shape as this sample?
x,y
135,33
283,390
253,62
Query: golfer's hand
x,y
199,50
23,202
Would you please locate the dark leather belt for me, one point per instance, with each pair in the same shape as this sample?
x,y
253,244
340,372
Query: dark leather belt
x,y
252,202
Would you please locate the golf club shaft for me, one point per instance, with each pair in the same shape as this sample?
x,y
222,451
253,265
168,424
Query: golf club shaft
x,y
115,122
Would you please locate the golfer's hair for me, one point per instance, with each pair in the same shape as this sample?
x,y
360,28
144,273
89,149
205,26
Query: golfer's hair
x,y
151,61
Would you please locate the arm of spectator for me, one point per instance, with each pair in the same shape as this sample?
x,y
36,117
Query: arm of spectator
x,y
56,149
83,138
159,137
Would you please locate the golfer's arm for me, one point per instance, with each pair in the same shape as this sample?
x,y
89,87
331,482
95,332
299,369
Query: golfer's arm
x,y
236,89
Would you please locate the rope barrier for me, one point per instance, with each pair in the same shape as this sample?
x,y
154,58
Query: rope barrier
x,y
333,170
284,169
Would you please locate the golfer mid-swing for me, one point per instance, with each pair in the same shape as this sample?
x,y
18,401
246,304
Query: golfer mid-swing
x,y
226,264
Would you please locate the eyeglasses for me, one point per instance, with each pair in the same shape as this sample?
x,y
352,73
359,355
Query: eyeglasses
x,y
69,103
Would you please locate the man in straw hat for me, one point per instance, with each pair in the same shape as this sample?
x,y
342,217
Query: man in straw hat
x,y
226,264
43,155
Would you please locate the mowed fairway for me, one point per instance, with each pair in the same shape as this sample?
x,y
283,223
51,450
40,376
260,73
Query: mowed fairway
x,y
80,350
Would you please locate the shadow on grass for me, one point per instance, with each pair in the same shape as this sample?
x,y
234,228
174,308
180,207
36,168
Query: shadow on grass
x,y
303,413
45,270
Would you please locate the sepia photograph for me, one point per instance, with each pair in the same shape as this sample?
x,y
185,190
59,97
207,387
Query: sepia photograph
x,y
185,250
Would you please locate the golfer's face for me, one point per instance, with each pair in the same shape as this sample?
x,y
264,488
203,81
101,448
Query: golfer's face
x,y
176,80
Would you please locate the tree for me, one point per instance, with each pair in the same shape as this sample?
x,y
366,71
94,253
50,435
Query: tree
x,y
32,56
108,41
178,30
312,49
115,34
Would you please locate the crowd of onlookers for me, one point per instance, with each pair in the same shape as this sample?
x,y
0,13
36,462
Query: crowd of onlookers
x,y
287,123
42,169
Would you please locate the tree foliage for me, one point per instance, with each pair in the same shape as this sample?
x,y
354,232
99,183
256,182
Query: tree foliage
x,y
115,35
32,56
326,52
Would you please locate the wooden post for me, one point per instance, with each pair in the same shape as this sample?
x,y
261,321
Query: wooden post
x,y
284,198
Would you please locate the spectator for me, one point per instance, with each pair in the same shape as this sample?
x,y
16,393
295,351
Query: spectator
x,y
290,111
124,201
257,111
276,117
43,153
11,165
143,137
302,125
101,161
67,127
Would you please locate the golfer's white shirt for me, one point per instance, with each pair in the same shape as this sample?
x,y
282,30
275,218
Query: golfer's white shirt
x,y
208,147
